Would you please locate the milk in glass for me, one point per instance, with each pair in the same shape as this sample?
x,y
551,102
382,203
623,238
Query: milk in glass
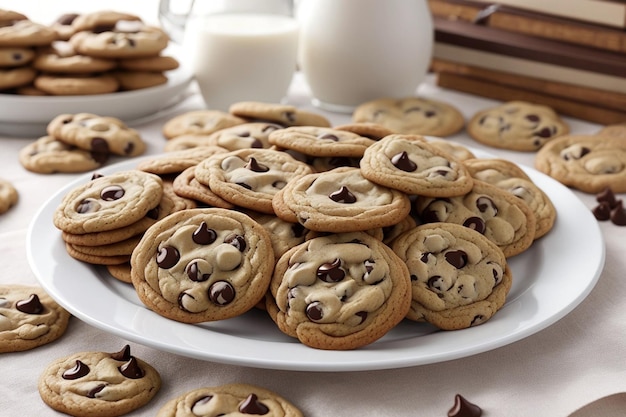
x,y
242,56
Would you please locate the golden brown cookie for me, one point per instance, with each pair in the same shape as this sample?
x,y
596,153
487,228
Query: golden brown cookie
x,y
29,318
340,292
98,384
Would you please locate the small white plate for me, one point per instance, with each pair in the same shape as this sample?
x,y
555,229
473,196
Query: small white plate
x,y
549,280
28,116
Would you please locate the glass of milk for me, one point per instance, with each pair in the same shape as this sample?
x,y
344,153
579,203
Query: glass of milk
x,y
352,51
240,50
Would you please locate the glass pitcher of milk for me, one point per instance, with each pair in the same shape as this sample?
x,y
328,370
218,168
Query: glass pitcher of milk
x,y
352,51
239,50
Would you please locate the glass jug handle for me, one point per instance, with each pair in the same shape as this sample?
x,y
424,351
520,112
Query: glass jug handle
x,y
173,23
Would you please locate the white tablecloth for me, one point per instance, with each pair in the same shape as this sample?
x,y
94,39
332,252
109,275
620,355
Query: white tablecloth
x,y
551,373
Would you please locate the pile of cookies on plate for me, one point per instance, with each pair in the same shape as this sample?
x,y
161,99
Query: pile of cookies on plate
x,y
338,233
93,53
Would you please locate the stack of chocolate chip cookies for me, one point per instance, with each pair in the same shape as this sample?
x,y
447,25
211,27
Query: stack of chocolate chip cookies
x,y
94,53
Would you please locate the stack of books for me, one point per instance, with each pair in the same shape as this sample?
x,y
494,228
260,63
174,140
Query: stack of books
x,y
566,54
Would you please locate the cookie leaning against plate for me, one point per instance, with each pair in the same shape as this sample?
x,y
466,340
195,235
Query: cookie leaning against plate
x,y
589,163
516,125
203,265
411,115
503,218
340,200
108,202
96,133
339,292
410,164
29,318
229,399
459,278
98,384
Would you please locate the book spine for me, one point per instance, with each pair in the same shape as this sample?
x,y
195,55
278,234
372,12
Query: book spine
x,y
531,24
594,11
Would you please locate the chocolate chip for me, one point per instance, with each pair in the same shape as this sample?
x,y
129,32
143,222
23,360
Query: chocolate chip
x,y
618,214
424,257
99,157
167,257
546,132
297,229
237,241
254,166
413,277
96,175
221,293
78,371
153,213
289,116
607,196
329,136
252,405
122,355
602,211
343,195
362,315
103,28
256,144
314,311
85,206
464,408
435,282
476,223
430,113
194,273
203,235
112,193
331,271
403,163
66,19
456,258
131,369
99,145
31,305
485,204
129,148
92,393
199,404
244,185
532,118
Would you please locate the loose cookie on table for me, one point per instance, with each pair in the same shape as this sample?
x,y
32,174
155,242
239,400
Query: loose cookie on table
x,y
199,122
96,133
411,115
229,399
341,200
203,265
510,177
340,292
250,178
503,218
109,202
8,196
98,384
48,155
408,163
516,125
589,163
459,278
29,318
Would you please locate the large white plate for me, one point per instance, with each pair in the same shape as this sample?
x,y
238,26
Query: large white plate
x,y
27,116
550,279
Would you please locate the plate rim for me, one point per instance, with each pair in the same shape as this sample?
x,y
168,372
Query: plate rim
x,y
367,358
